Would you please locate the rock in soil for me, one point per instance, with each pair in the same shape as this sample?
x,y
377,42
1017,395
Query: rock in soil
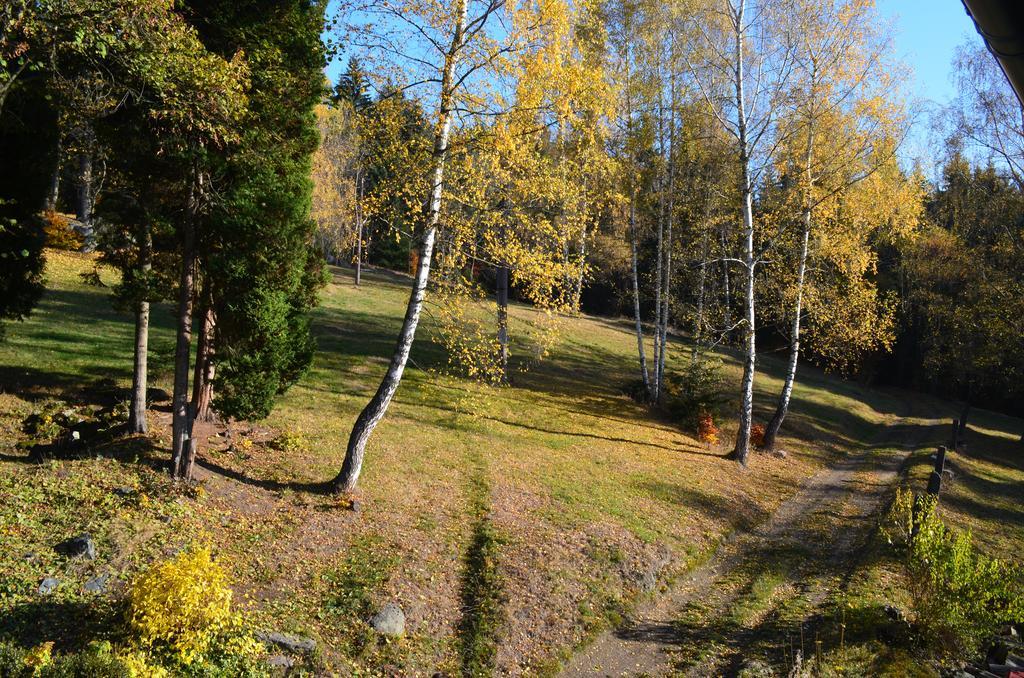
x,y
97,584
81,546
48,586
279,661
287,642
390,621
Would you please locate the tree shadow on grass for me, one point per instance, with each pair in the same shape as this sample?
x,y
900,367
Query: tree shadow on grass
x,y
740,513
320,488
70,624
481,588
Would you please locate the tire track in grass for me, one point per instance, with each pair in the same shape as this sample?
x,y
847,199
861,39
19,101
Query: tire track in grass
x,y
700,612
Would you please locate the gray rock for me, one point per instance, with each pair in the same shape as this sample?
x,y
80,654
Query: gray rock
x,y
124,491
755,668
97,584
279,661
81,546
48,586
356,506
287,642
390,621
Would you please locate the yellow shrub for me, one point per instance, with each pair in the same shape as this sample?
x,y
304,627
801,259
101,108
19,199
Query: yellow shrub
x,y
39,656
58,232
139,665
182,604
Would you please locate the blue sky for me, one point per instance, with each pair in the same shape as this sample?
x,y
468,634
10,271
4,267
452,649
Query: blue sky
x,y
927,32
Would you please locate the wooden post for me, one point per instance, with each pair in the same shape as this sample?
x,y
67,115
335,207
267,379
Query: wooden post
x,y
935,481
954,434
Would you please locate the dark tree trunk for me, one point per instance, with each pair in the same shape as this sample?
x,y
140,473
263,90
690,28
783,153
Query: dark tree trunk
x,y
359,230
348,477
83,204
204,372
137,411
183,449
501,296
53,192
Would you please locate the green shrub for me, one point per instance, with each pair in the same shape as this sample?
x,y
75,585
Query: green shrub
x,y
95,661
696,391
960,596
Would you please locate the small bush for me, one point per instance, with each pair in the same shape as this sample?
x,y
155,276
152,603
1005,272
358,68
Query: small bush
x,y
960,596
96,661
757,435
693,393
58,232
288,441
51,420
182,605
707,432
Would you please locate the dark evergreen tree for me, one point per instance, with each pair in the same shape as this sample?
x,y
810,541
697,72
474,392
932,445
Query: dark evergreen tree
x,y
354,86
259,264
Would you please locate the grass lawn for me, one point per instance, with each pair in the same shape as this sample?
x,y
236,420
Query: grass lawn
x,y
509,523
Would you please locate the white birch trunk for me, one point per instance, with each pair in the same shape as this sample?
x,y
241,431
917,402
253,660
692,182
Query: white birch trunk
x,y
636,297
742,449
348,477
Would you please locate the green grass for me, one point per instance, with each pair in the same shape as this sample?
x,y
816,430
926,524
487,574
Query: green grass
x,y
465,485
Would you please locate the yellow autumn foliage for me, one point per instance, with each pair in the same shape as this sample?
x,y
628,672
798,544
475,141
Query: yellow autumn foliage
x,y
39,656
182,604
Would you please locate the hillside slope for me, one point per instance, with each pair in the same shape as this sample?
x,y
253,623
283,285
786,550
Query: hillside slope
x,y
511,524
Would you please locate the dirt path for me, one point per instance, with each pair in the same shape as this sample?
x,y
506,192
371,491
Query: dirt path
x,y
707,622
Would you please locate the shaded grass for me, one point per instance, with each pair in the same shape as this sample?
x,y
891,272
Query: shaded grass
x,y
481,589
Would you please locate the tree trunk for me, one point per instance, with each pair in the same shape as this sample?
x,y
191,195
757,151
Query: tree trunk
x,y
374,411
772,430
53,192
726,290
577,293
137,410
359,230
698,323
742,448
182,449
204,372
501,279
83,204
636,297
659,267
670,221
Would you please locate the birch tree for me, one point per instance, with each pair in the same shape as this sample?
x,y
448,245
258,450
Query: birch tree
x,y
741,66
456,55
844,119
